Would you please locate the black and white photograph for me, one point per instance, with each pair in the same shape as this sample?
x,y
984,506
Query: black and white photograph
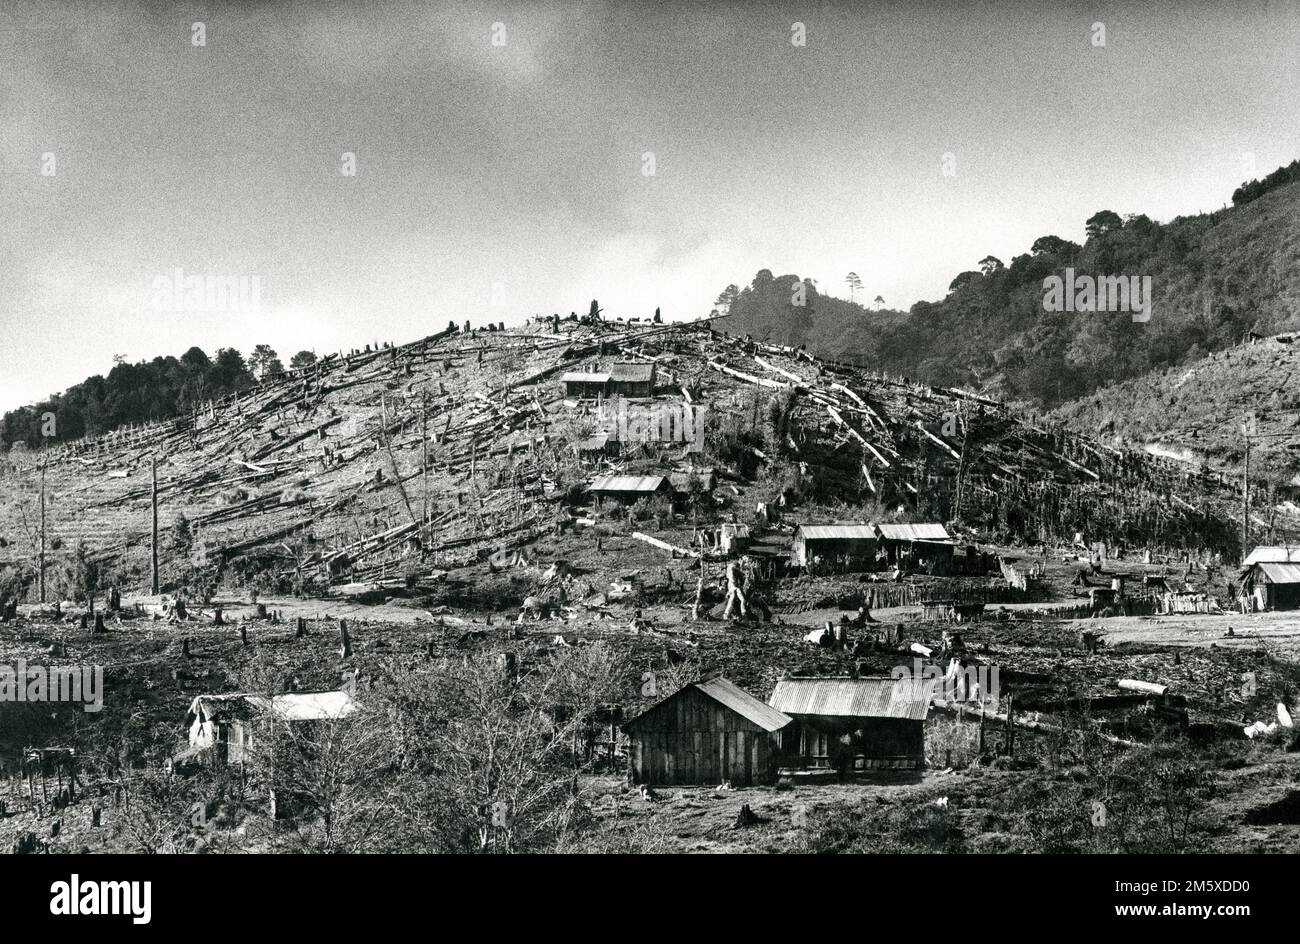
x,y
613,428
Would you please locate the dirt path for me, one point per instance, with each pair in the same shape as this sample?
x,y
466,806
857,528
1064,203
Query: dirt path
x,y
1277,632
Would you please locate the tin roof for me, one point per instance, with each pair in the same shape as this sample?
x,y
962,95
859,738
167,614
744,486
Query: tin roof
x,y
627,483
632,373
307,706
853,698
731,696
581,377
1273,555
292,706
1281,573
913,532
836,532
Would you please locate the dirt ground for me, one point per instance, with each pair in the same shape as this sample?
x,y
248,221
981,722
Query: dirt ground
x,y
1278,633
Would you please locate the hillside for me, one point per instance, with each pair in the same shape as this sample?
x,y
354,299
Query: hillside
x,y
314,479
1199,410
299,523
1215,277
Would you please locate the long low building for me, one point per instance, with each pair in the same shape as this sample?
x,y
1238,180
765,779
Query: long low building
x,y
864,546
831,542
623,379
628,488
854,724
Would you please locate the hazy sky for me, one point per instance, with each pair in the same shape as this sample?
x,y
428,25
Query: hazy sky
x,y
520,166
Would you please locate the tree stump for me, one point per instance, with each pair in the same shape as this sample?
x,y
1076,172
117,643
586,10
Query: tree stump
x,y
99,624
300,629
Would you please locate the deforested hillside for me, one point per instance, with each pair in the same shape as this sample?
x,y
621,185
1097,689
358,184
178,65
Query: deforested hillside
x,y
1204,410
1215,278
400,465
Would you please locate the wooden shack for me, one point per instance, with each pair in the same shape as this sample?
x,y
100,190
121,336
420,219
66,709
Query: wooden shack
x,y
632,380
857,723
622,379
918,544
705,733
838,546
221,726
1270,579
628,488
585,384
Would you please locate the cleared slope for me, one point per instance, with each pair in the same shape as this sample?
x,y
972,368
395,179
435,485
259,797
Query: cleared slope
x,y
319,474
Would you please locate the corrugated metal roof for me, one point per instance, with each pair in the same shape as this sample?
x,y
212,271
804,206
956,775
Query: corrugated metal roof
x,y
1281,573
854,698
1273,555
579,377
914,532
836,532
292,706
627,483
632,373
744,704
729,695
307,706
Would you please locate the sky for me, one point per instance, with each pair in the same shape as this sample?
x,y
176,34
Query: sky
x,y
513,160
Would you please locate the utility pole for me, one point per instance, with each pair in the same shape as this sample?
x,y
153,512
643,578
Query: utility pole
x,y
153,544
42,562
424,457
1247,429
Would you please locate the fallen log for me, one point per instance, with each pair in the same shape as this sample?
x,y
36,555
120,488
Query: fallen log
x,y
664,545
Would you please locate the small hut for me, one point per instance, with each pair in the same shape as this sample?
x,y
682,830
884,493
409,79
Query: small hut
x,y
851,545
862,723
705,733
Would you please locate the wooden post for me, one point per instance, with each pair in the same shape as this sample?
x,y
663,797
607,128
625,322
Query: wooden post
x,y
153,544
1245,496
424,461
1011,727
42,561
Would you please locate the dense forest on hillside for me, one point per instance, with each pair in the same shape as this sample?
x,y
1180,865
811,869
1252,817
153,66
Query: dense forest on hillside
x,y
1215,278
138,393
